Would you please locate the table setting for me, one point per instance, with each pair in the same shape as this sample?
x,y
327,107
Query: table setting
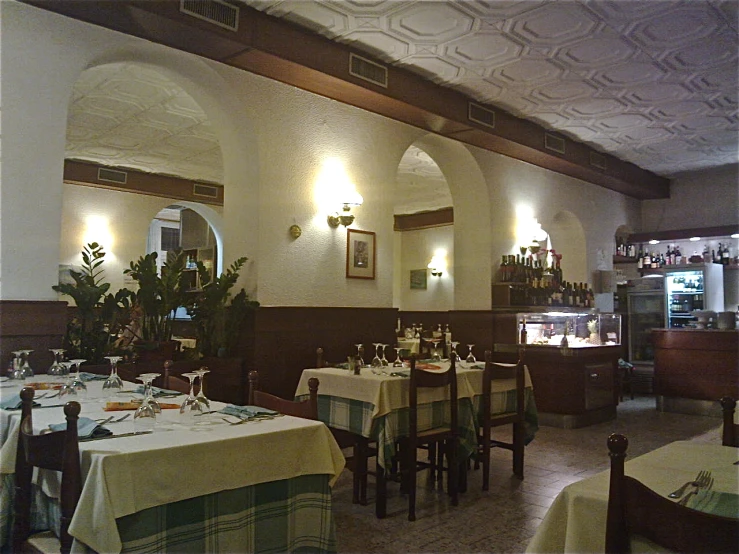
x,y
143,452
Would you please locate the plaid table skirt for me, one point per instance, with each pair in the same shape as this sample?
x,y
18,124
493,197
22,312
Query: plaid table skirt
x,y
291,515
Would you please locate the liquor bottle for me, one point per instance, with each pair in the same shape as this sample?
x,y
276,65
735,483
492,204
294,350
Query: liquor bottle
x,y
725,255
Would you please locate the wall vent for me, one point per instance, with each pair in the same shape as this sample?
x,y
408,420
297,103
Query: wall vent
x,y
217,12
208,191
367,70
598,160
481,115
112,176
554,143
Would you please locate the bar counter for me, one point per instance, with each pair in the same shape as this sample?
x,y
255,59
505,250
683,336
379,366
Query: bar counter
x,y
694,368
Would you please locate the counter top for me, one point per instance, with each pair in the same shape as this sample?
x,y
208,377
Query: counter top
x,y
691,330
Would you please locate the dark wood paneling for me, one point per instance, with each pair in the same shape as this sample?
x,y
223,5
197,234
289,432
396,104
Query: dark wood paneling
x,y
424,220
684,234
472,327
31,325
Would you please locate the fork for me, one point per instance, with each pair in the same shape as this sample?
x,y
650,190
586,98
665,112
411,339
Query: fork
x,y
696,483
706,484
239,422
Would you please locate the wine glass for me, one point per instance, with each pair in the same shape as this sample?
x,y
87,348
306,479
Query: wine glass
x,y
147,379
17,365
145,418
77,383
360,351
383,360
453,351
113,383
57,369
377,361
67,390
26,367
191,406
470,357
201,393
398,362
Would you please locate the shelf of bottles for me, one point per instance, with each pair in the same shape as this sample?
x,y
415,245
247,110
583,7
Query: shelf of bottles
x,y
532,282
654,256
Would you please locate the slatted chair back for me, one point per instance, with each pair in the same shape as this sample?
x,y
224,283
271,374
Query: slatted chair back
x,y
730,434
307,409
173,382
515,418
57,451
635,509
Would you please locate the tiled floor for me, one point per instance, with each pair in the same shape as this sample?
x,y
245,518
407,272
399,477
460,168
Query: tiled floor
x,y
505,518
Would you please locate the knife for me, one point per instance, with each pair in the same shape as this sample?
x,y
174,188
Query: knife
x,y
117,436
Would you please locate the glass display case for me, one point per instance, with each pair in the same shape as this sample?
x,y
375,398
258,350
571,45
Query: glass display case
x,y
584,329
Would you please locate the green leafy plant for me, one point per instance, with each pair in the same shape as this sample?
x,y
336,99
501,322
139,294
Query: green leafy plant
x,y
100,316
218,323
159,295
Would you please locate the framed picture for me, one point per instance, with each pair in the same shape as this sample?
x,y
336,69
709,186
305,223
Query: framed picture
x,y
418,278
360,254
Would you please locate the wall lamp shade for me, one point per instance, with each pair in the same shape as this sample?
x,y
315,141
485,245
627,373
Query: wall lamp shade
x,y
345,217
437,265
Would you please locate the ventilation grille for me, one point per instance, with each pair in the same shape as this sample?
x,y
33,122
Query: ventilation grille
x,y
217,12
598,160
481,115
112,176
208,191
554,143
367,70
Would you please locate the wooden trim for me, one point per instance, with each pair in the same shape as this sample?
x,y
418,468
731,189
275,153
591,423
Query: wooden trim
x,y
684,234
280,50
139,182
424,220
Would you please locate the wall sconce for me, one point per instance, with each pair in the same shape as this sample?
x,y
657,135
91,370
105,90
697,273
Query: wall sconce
x,y
345,218
437,265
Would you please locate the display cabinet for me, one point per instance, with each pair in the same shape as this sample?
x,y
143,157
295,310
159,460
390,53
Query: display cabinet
x,y
570,329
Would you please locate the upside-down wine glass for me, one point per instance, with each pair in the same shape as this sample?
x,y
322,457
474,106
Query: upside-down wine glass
x,y
470,357
190,406
17,367
113,383
27,371
453,351
145,418
383,359
67,390
77,383
398,362
57,369
377,361
360,351
147,379
201,393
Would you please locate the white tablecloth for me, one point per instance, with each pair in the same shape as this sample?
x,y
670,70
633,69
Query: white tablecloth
x,y
126,475
576,521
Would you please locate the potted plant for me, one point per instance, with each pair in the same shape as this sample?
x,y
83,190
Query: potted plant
x,y
218,322
159,295
100,316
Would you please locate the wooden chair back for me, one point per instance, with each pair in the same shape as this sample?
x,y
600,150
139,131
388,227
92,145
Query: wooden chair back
x,y
307,409
173,382
515,418
730,434
57,451
634,509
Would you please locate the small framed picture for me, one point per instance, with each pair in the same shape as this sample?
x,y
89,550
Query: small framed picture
x,y
418,278
360,254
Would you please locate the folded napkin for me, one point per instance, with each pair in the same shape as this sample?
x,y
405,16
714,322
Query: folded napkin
x,y
156,391
121,406
86,428
406,373
477,366
13,402
715,502
343,365
246,411
85,376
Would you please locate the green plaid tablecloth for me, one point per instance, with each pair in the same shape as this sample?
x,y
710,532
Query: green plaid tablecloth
x,y
292,515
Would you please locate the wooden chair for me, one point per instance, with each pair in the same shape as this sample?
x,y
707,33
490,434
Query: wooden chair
x,y
730,435
307,409
57,451
446,438
514,418
173,382
634,509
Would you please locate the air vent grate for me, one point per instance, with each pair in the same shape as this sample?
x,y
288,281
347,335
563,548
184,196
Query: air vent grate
x,y
217,12
367,70
554,143
208,191
112,176
598,160
481,115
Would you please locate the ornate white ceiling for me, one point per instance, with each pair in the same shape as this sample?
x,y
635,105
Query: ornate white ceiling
x,y
653,82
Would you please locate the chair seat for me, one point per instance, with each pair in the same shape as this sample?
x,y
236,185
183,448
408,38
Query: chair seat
x,y
43,543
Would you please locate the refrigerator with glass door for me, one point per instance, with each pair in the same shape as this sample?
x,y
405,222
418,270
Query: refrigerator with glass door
x,y
697,287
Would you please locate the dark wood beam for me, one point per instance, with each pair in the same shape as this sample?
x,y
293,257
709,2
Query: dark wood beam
x,y
424,220
684,234
280,50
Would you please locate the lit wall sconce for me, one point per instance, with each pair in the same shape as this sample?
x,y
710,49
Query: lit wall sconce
x,y
345,218
437,265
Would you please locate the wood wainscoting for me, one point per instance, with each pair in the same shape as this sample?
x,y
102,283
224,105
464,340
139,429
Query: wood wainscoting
x,y
36,325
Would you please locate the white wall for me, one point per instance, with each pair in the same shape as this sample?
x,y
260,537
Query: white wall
x,y
417,248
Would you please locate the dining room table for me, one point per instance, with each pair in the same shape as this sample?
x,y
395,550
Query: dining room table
x,y
213,483
373,402
576,520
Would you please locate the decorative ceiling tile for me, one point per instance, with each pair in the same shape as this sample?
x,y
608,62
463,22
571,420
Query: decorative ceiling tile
x,y
483,49
556,23
442,23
